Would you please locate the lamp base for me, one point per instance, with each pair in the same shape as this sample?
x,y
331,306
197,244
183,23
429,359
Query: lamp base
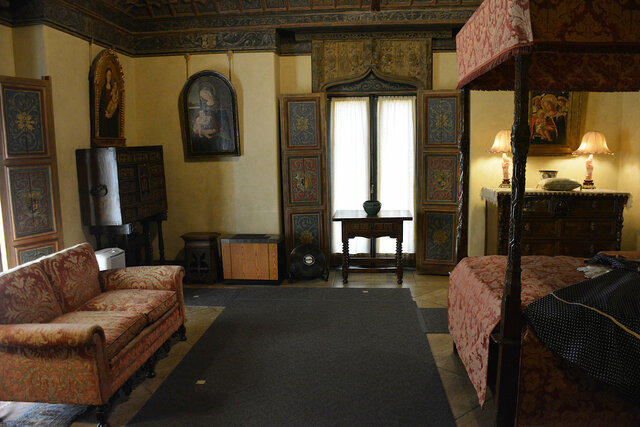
x,y
588,184
506,183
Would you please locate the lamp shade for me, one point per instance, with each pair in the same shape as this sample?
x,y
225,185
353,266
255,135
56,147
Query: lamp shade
x,y
593,143
502,142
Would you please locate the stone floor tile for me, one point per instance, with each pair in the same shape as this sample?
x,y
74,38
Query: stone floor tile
x,y
460,393
478,417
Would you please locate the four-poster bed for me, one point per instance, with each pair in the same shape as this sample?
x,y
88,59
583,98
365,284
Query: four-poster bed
x,y
524,45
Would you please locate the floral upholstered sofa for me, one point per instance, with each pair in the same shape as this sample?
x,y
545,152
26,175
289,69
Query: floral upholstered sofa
x,y
72,334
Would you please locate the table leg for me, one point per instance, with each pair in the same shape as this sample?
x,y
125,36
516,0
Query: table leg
x,y
399,260
345,261
148,251
160,241
98,237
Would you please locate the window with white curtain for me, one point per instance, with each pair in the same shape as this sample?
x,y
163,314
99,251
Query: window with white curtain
x,y
353,155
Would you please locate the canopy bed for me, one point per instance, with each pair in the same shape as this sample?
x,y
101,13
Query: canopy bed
x,y
545,45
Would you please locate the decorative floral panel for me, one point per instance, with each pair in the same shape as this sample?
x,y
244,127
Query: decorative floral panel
x,y
31,201
306,229
304,184
23,120
441,173
440,236
441,121
302,124
28,254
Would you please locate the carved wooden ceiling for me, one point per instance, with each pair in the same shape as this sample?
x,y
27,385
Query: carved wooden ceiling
x,y
151,27
149,9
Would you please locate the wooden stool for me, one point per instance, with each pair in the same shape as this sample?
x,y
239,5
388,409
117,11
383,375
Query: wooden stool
x,y
201,257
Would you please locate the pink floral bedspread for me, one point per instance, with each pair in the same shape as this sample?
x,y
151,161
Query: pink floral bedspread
x,y
475,295
549,393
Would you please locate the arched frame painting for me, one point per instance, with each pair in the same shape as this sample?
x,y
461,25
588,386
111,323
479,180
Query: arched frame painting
x,y
107,100
210,116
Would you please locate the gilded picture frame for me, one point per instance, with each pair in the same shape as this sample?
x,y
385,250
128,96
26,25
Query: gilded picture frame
x,y
555,121
209,116
107,95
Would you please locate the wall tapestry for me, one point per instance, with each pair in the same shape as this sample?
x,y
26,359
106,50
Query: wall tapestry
x,y
107,100
209,116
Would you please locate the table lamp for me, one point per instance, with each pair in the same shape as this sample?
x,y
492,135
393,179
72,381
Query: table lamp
x,y
592,143
502,144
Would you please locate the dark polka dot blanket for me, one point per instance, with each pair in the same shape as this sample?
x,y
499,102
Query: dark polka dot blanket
x,y
595,325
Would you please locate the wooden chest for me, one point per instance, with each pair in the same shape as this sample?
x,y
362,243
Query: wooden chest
x,y
574,223
120,185
248,258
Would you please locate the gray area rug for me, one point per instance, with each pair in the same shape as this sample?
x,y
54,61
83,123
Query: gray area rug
x,y
306,356
210,297
434,320
46,414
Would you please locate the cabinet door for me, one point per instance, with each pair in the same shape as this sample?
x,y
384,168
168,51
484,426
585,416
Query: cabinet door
x,y
305,190
440,166
29,176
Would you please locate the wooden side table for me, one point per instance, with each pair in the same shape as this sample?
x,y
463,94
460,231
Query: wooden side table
x,y
359,224
201,257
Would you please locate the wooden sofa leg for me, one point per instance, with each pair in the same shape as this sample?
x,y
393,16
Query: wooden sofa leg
x,y
182,333
102,414
149,367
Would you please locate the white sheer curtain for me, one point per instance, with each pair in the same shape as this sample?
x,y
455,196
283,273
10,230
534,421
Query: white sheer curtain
x,y
396,141
349,164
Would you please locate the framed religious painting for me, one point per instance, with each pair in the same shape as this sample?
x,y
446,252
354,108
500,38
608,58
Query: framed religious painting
x,y
209,116
107,100
555,120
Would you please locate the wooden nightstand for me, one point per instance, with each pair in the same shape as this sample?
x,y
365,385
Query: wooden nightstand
x,y
574,223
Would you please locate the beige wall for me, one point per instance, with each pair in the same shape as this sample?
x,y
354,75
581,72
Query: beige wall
x,y
629,169
295,74
227,194
39,51
7,65
242,194
492,111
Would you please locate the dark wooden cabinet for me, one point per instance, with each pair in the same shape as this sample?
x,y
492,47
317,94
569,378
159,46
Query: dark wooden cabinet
x,y
201,257
120,186
575,223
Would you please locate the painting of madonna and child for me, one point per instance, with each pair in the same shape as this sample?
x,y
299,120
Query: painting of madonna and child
x,y
107,100
210,116
553,118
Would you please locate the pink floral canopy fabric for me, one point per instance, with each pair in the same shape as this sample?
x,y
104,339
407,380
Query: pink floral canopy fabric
x,y
575,45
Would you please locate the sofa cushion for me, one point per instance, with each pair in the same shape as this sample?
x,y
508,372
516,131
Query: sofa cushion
x,y
26,296
150,303
120,327
73,273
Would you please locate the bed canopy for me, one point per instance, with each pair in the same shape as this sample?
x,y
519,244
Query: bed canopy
x,y
551,45
574,45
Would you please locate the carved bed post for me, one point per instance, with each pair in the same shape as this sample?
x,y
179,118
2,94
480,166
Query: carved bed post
x,y
463,183
509,338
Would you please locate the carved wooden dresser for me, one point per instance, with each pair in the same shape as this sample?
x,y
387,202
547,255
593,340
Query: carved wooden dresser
x,y
574,223
118,187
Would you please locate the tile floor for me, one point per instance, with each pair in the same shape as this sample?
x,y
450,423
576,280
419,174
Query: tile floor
x,y
427,291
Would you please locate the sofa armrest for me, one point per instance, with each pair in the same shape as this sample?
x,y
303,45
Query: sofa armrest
x,y
48,335
55,363
156,277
